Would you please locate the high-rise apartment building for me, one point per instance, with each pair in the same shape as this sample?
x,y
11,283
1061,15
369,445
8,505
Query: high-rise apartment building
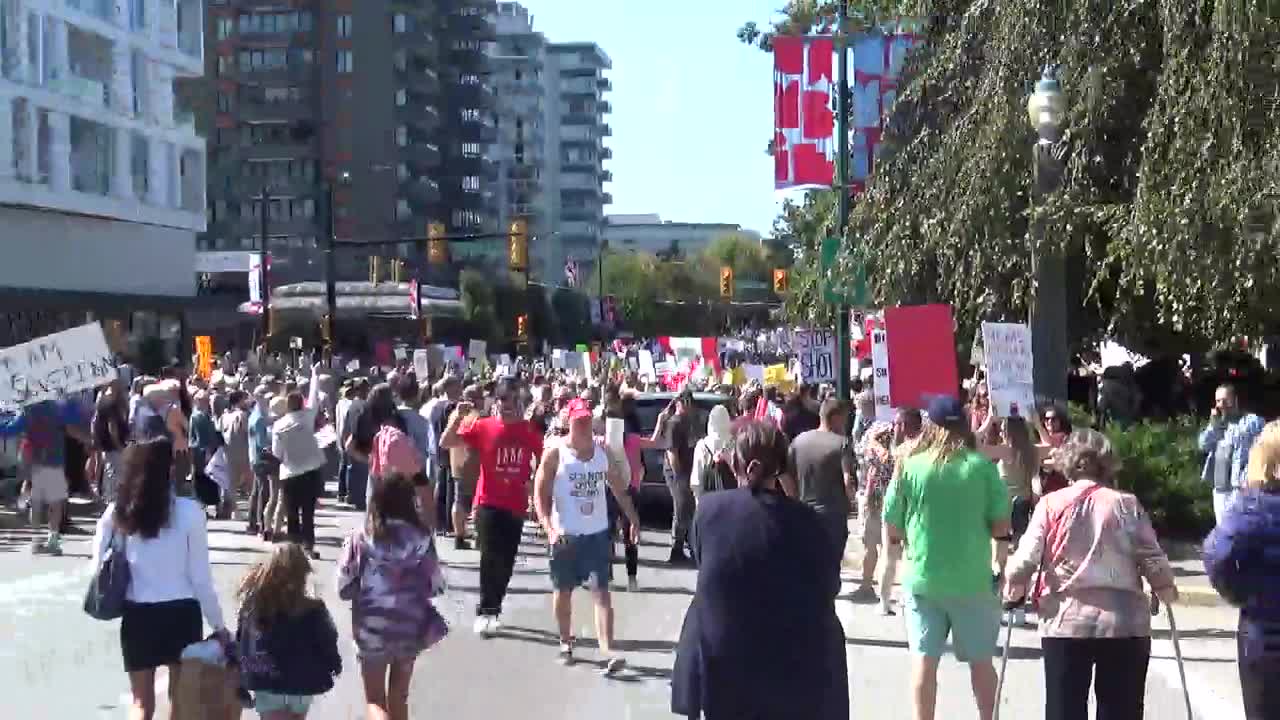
x,y
102,174
574,113
551,131
390,93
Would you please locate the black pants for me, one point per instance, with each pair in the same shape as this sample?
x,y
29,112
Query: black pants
x,y
1258,683
1117,667
300,494
444,497
498,533
618,522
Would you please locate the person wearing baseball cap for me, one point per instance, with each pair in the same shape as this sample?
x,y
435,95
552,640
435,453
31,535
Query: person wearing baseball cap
x,y
948,504
571,498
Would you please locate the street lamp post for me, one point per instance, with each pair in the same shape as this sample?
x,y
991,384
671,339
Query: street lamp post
x,y
1046,109
331,260
264,272
842,187
604,247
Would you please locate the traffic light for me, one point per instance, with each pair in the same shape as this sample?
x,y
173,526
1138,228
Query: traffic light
x,y
437,244
518,245
326,330
780,281
375,269
726,282
522,328
397,270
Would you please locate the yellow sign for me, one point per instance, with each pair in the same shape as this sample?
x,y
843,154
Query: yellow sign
x,y
204,356
776,376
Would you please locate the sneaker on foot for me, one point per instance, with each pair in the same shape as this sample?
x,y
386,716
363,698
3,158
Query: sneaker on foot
x,y
495,624
632,584
39,547
54,546
482,626
886,611
864,593
460,543
565,656
614,664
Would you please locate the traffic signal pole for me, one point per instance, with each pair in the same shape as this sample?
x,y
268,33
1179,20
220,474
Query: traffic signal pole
x,y
842,187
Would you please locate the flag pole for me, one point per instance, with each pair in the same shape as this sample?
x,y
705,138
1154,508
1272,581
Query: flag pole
x,y
842,187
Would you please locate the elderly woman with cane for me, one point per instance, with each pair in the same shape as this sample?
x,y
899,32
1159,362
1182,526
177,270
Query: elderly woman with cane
x,y
1093,545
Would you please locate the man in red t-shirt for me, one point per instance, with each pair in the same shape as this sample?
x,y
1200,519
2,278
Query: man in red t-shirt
x,y
508,446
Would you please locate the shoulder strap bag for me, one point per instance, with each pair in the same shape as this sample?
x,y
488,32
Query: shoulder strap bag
x,y
109,586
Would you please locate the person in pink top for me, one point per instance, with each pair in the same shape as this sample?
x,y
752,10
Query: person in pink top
x,y
634,443
391,451
1092,546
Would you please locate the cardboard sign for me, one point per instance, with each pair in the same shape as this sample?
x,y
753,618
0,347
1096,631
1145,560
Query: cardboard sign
x,y
1007,350
477,350
647,367
885,411
55,365
204,356
816,351
422,364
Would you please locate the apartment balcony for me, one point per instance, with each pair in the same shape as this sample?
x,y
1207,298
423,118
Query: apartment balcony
x,y
421,192
422,118
592,213
605,130
422,157
603,107
604,85
606,176
579,86
606,199
93,93
526,210
478,132
579,118
580,182
579,165
100,9
422,81
523,172
606,154
275,111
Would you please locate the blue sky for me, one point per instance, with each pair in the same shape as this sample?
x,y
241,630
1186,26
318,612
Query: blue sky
x,y
692,106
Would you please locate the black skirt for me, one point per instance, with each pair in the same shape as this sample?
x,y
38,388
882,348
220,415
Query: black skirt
x,y
155,634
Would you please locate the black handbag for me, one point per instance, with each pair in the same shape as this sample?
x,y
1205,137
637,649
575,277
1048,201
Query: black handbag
x,y
110,583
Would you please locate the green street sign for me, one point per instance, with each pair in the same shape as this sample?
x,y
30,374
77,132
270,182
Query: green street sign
x,y
856,295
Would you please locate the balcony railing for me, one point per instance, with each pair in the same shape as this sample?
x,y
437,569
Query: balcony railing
x,y
101,9
88,91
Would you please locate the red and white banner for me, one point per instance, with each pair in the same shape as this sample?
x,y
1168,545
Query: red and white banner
x,y
804,124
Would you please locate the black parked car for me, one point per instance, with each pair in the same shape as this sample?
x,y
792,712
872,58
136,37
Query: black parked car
x,y
648,407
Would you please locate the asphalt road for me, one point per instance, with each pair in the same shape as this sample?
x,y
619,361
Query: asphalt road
x,y
58,663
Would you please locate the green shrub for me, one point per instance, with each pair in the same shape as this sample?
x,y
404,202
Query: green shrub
x,y
1161,464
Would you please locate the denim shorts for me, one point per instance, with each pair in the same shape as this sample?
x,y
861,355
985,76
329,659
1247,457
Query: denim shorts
x,y
972,621
269,702
582,559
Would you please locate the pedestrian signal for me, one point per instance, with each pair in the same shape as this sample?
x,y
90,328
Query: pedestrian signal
x,y
522,327
780,281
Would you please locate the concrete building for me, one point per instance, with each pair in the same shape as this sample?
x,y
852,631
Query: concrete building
x,y
102,173
649,233
574,119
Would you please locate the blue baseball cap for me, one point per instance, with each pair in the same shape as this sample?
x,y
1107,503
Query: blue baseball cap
x,y
945,410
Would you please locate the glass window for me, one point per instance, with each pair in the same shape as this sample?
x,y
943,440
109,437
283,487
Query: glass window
x,y
402,136
344,26
345,60
402,97
224,102
471,183
400,23
225,28
471,150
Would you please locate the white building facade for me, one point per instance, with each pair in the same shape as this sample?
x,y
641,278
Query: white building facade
x,y
650,234
102,176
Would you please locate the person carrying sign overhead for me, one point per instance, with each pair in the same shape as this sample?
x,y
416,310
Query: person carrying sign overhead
x,y
45,426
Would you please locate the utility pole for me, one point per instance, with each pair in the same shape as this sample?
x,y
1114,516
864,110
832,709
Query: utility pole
x,y
331,262
265,270
842,187
604,247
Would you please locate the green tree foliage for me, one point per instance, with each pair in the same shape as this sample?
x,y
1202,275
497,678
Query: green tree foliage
x,y
1169,207
479,305
746,255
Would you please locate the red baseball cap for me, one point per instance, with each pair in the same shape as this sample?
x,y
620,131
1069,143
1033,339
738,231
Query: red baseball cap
x,y
578,408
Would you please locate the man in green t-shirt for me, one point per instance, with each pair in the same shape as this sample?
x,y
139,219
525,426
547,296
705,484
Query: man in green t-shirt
x,y
947,504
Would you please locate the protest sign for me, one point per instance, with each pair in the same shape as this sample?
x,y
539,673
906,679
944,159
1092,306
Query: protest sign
x,y
1007,350
922,345
204,356
816,351
477,349
885,412
55,365
422,364
646,365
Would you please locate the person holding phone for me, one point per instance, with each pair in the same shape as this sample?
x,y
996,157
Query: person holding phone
x,y
675,430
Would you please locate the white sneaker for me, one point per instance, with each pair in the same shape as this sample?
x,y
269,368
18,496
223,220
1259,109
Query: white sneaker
x,y
482,626
495,624
632,584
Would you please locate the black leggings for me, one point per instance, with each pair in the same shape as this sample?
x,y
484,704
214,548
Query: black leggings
x,y
1117,667
618,521
498,533
300,494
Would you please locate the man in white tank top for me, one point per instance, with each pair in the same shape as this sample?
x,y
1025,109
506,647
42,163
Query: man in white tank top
x,y
570,490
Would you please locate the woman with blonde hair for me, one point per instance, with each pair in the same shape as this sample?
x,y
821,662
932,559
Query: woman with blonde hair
x,y
287,639
1093,546
1242,568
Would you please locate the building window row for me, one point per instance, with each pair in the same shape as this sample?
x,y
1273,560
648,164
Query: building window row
x,y
301,169
274,59
344,26
275,22
345,61
467,218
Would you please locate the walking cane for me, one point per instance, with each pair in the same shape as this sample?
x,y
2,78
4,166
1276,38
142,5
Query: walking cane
x,y
1004,660
1177,653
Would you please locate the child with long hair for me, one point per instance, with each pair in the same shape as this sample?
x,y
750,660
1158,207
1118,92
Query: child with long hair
x,y
390,573
288,642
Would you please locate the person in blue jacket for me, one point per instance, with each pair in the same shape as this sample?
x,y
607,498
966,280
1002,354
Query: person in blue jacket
x,y
1241,559
45,426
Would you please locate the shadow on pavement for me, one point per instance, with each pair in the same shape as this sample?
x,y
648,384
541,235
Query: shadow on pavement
x,y
1197,634
547,637
474,590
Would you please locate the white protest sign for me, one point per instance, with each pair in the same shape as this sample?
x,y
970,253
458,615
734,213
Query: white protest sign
x,y
1007,350
401,353
422,364
478,350
816,351
880,370
646,364
55,365
353,366
557,359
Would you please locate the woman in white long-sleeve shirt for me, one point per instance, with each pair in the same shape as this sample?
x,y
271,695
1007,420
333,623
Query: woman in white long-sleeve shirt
x,y
171,594
293,442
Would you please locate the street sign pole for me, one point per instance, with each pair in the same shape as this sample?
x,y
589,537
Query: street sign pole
x,y
842,187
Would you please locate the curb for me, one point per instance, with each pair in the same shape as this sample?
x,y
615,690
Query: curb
x,y
1197,596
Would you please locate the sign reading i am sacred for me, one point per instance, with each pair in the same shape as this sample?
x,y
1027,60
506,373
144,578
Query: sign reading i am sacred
x,y
55,365
1007,350
816,350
